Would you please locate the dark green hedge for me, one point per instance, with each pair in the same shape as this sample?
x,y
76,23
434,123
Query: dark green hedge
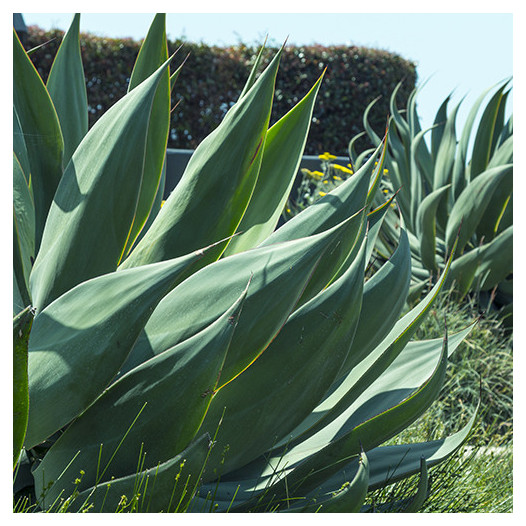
x,y
213,77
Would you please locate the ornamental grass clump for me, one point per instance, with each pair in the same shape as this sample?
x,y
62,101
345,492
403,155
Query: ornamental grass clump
x,y
193,356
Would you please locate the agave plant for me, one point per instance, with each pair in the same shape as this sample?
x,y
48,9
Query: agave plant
x,y
459,182
192,356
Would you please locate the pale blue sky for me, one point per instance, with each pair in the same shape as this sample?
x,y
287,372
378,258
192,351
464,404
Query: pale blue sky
x,y
460,52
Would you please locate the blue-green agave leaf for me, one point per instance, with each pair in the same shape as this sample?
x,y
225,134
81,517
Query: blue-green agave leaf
x,y
189,372
79,342
67,88
90,218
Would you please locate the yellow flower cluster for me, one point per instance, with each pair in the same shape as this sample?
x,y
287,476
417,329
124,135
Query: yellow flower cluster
x,y
343,169
326,156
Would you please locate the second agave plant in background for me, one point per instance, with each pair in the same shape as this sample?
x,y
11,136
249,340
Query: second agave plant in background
x,y
459,182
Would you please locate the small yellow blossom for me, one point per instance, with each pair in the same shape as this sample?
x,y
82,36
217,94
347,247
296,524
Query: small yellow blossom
x,y
342,168
162,203
336,178
326,156
323,193
386,171
325,182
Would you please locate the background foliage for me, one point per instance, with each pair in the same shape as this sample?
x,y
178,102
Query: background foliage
x,y
214,76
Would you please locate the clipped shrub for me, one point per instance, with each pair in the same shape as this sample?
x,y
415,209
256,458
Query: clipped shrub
x,y
215,76
190,355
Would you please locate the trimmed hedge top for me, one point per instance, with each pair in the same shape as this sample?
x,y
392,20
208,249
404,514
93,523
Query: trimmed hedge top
x,y
213,77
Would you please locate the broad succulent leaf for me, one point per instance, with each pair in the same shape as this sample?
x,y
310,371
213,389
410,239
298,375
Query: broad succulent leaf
x,y
23,234
278,276
471,204
267,401
222,173
21,329
284,145
189,371
79,342
152,55
486,135
41,133
426,226
89,221
496,260
67,88
379,312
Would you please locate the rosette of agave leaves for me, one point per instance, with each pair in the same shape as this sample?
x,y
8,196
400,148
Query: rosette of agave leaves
x,y
192,357
462,180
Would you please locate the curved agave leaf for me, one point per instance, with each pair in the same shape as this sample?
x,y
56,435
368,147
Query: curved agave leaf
x,y
463,271
320,457
267,400
79,342
472,203
279,274
43,137
426,226
23,234
353,156
341,203
487,134
439,125
370,132
420,496
20,150
253,72
388,464
379,312
152,54
348,498
189,372
67,88
21,329
221,176
496,260
282,153
499,212
90,219
445,156
401,124
460,176
357,377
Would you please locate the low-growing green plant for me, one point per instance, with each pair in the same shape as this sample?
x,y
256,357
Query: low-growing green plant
x,y
452,186
192,356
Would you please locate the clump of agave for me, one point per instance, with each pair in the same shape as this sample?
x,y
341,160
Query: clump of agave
x,y
460,182
192,356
